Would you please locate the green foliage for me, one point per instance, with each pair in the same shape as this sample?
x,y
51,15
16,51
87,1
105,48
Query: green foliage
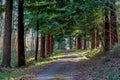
x,y
65,15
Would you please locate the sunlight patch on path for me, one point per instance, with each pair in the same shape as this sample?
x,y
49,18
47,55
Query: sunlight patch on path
x,y
54,77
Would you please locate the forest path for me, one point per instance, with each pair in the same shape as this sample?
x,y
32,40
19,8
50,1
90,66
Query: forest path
x,y
63,69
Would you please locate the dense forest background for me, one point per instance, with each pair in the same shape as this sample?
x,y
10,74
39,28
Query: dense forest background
x,y
33,33
42,26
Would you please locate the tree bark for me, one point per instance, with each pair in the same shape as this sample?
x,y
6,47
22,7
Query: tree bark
x,y
85,43
113,22
107,34
93,40
97,38
37,42
52,43
21,51
48,45
42,45
79,42
6,61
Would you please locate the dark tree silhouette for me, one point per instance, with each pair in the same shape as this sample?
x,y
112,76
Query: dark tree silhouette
x,y
48,45
113,22
79,42
85,41
37,41
21,51
93,40
6,61
43,45
107,34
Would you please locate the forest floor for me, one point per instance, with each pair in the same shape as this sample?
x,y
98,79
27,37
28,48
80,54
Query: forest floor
x,y
75,66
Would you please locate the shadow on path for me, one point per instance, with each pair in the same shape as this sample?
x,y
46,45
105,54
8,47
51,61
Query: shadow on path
x,y
62,69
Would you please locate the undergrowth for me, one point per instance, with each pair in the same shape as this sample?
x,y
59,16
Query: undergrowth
x,y
30,63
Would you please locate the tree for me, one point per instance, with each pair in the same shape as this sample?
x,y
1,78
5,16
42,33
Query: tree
x,y
113,23
21,52
85,40
106,28
97,38
6,61
106,34
48,45
93,40
37,40
79,42
52,43
42,45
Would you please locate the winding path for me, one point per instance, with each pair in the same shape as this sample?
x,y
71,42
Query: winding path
x,y
61,70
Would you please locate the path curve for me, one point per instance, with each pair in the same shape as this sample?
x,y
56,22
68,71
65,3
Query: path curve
x,y
62,69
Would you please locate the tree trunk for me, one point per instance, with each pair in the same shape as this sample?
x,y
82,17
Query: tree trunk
x,y
97,38
37,41
85,43
48,45
6,61
106,34
114,35
21,51
93,40
52,43
79,42
43,46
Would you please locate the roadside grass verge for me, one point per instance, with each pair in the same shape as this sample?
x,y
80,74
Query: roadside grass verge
x,y
90,53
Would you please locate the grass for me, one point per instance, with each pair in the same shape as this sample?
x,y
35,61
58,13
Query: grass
x,y
30,63
106,66
59,77
12,75
90,53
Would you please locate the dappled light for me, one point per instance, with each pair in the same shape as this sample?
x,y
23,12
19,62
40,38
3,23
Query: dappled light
x,y
59,40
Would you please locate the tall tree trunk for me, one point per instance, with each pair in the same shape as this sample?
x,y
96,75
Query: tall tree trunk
x,y
37,41
97,38
79,42
93,40
85,42
21,51
114,35
75,44
48,45
52,43
42,45
106,34
6,61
